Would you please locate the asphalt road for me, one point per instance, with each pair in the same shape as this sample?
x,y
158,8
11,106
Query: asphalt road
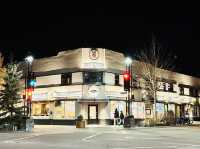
x,y
68,137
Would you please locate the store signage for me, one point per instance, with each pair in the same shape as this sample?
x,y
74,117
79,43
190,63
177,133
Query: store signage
x,y
76,94
40,96
161,85
167,86
113,94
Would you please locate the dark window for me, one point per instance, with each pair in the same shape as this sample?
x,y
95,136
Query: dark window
x,y
193,92
93,77
66,79
116,79
181,91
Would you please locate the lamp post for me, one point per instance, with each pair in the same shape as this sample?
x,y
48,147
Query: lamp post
x,y
29,59
128,62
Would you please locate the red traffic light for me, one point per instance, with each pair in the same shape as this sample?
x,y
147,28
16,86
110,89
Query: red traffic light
x,y
126,76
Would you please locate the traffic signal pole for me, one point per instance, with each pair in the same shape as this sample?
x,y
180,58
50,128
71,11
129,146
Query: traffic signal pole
x,y
127,81
129,91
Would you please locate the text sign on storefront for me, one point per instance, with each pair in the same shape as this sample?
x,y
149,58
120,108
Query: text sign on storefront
x,y
40,96
75,94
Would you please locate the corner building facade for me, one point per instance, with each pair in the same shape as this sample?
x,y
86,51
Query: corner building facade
x,y
90,82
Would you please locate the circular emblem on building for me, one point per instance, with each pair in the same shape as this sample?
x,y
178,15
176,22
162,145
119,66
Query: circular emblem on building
x,y
94,54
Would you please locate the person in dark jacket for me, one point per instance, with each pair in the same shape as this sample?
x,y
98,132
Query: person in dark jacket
x,y
122,118
116,116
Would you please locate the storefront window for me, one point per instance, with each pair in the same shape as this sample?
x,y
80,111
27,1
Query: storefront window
x,y
59,109
40,109
93,77
44,109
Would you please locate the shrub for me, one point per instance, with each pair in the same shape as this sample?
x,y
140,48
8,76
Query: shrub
x,y
80,118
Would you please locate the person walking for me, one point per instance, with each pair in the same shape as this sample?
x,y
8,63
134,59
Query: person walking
x,y
121,118
116,116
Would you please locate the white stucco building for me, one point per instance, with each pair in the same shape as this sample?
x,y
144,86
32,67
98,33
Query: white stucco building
x,y
90,82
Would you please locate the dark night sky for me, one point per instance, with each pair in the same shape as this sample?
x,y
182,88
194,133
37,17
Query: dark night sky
x,y
46,30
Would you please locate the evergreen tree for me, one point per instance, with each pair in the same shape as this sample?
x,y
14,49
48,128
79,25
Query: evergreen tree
x,y
11,109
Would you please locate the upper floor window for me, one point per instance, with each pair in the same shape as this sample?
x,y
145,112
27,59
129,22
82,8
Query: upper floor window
x,y
66,79
93,77
181,90
193,92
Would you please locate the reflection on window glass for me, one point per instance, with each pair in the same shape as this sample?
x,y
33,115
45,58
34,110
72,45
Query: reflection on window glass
x,y
93,77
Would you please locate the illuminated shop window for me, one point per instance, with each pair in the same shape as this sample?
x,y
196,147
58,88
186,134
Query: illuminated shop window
x,y
66,79
93,77
44,109
40,109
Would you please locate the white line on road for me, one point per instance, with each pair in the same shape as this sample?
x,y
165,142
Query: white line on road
x,y
87,139
20,139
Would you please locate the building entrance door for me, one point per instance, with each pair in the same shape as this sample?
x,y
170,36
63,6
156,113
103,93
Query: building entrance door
x,y
93,114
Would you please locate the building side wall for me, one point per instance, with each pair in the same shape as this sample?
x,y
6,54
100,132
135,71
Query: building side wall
x,y
68,59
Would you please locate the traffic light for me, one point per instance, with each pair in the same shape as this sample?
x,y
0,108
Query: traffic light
x,y
127,79
27,94
31,81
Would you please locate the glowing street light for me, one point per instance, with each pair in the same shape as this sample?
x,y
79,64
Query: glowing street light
x,y
29,59
128,61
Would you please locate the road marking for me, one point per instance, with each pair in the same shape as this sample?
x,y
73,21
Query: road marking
x,y
87,139
20,139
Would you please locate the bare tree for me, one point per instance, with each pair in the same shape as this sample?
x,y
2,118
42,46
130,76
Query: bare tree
x,y
150,65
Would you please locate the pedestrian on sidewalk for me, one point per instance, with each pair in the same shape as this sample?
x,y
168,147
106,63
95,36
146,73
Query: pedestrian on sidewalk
x,y
121,118
116,116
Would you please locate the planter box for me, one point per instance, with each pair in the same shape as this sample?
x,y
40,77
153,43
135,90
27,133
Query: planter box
x,y
80,124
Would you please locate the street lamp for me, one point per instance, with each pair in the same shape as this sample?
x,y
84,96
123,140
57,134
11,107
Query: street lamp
x,y
29,60
128,63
